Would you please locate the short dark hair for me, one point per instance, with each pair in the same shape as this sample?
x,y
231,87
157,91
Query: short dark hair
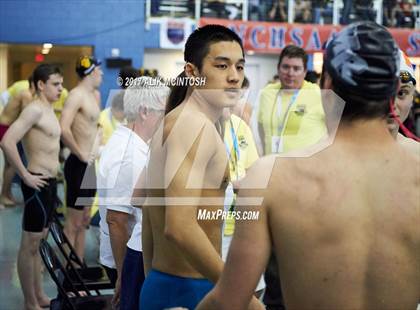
x,y
43,72
312,76
293,51
126,73
196,49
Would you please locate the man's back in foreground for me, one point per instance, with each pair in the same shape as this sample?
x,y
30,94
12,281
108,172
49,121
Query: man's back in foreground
x,y
351,239
344,222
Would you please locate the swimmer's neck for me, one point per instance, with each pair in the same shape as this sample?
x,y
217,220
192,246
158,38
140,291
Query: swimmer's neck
x,y
86,85
41,99
394,132
364,131
196,101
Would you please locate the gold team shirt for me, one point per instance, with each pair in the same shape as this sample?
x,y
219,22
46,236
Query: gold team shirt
x,y
108,123
302,125
59,104
17,87
242,153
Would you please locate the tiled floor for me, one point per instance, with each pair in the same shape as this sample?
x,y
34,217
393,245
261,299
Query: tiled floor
x,y
10,229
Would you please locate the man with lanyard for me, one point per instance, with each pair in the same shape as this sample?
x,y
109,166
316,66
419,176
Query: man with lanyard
x,y
242,153
290,117
290,114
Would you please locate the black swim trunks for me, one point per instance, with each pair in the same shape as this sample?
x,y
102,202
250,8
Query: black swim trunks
x,y
39,205
76,172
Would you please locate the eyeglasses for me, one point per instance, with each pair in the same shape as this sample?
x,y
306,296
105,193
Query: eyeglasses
x,y
406,77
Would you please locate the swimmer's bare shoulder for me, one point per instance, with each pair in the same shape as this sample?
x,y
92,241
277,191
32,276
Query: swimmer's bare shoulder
x,y
186,124
410,145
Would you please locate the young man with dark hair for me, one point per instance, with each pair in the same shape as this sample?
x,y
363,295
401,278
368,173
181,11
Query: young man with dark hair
x,y
188,173
345,235
79,126
39,130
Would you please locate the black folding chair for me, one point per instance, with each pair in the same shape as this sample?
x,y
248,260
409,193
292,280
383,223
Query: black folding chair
x,y
92,275
82,297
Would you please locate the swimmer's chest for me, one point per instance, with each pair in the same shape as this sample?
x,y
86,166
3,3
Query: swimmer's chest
x,y
217,170
89,109
49,125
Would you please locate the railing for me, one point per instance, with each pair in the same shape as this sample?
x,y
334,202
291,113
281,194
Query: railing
x,y
291,11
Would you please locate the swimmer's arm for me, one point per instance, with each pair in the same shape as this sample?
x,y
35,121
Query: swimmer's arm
x,y
26,120
181,225
72,105
247,259
147,241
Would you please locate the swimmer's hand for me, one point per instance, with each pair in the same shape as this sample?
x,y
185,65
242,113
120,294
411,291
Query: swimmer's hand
x,y
117,294
87,158
211,302
35,181
255,304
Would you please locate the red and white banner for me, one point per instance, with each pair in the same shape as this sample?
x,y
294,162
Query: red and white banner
x,y
268,37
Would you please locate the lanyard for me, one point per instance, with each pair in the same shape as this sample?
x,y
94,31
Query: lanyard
x,y
279,108
233,156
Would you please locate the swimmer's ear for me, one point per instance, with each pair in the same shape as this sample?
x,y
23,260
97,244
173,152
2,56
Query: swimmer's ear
x,y
190,70
326,81
40,85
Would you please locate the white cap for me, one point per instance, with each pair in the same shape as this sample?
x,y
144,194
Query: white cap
x,y
405,64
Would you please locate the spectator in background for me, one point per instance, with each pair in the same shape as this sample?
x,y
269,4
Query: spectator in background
x,y
302,11
278,11
317,7
110,117
404,15
364,10
389,12
345,15
257,9
288,118
217,8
